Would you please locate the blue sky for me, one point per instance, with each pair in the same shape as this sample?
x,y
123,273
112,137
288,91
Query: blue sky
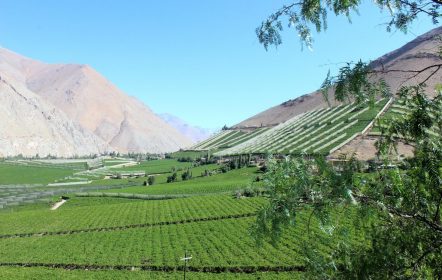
x,y
198,60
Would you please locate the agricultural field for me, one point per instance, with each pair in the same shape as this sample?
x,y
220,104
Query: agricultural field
x,y
227,138
60,273
315,132
225,182
34,182
193,155
155,166
16,173
136,232
398,110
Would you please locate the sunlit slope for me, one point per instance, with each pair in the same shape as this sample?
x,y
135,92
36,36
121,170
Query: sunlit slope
x,y
400,110
315,132
227,138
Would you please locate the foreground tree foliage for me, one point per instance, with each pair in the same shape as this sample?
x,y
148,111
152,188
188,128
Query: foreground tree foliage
x,y
398,206
307,15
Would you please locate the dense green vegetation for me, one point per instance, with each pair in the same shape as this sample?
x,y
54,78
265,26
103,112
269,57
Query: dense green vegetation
x,y
156,166
102,214
114,235
398,111
23,174
192,155
59,273
225,182
402,205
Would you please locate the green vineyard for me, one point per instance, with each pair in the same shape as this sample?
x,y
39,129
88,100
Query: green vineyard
x,y
398,110
227,138
113,231
315,132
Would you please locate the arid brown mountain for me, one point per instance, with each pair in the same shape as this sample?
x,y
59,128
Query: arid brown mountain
x,y
99,107
418,54
30,126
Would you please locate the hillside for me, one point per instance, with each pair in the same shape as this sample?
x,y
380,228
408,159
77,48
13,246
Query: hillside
x,y
29,126
417,54
226,139
86,97
316,132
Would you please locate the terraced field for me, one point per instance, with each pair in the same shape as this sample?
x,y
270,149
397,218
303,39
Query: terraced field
x,y
315,132
226,139
399,110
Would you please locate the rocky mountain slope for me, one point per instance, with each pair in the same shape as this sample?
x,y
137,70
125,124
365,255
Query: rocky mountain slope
x,y
418,54
29,126
87,98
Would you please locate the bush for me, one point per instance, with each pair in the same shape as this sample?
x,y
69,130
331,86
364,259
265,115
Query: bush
x,y
172,178
187,175
206,173
151,180
224,169
185,159
263,168
249,192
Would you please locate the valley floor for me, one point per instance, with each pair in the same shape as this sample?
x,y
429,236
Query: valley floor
x,y
139,232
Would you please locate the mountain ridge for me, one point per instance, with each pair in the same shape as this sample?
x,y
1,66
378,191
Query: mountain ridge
x,y
89,99
416,54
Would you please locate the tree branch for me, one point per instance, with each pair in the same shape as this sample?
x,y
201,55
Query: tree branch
x,y
396,212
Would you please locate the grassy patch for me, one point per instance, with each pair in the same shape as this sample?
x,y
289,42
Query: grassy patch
x,y
22,174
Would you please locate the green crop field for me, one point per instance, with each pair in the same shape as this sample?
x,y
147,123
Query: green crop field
x,y
116,237
156,166
103,237
398,110
191,154
125,213
226,139
59,273
34,174
225,182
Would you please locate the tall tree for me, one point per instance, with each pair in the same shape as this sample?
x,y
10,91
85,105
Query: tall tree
x,y
397,208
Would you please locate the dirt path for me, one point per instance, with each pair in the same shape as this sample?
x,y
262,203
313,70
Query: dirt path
x,y
58,204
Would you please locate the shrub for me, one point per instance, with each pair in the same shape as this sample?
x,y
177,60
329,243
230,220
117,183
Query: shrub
x,y
224,169
263,168
206,173
185,159
187,175
151,180
172,178
233,164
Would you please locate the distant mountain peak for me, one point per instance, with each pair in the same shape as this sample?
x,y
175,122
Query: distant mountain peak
x,y
194,133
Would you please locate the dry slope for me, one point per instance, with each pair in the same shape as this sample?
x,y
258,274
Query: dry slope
x,y
86,97
29,126
415,55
